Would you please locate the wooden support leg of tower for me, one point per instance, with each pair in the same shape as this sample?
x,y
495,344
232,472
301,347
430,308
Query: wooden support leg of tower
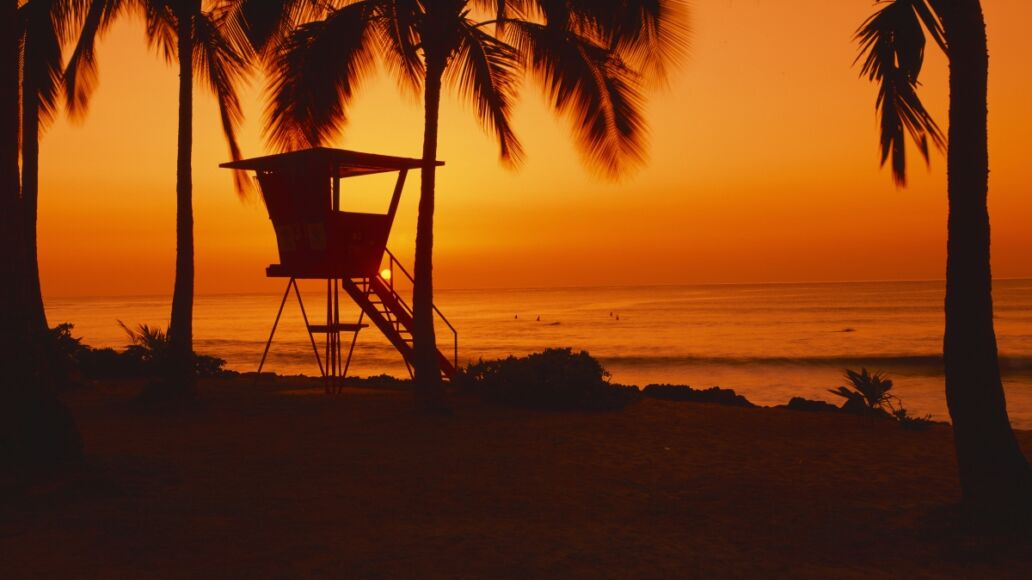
x,y
334,375
329,338
308,328
354,339
336,333
275,323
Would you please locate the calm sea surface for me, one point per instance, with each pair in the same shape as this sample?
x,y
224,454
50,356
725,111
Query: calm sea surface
x,y
768,342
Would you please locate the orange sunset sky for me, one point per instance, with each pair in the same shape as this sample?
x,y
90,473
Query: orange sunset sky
x,y
763,167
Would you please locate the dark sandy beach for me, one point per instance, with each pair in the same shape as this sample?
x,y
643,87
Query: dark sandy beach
x,y
282,481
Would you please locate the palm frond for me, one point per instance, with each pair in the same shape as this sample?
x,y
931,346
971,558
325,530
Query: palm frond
x,y
399,44
649,35
930,18
892,45
42,66
594,87
162,29
67,18
315,74
848,394
502,11
486,72
221,60
871,388
266,23
498,9
153,340
81,74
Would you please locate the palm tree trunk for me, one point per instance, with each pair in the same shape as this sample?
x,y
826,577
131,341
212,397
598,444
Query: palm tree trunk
x,y
30,190
429,389
11,311
181,323
994,475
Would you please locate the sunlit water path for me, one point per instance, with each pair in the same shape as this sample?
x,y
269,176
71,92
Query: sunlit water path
x,y
768,342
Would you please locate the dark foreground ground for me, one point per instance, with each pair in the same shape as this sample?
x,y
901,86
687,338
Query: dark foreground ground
x,y
282,481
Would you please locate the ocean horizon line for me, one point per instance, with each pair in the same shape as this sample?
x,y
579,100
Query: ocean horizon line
x,y
558,287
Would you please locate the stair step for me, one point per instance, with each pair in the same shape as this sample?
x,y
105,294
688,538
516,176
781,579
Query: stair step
x,y
340,327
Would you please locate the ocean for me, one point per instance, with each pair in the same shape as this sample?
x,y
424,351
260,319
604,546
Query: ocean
x,y
769,342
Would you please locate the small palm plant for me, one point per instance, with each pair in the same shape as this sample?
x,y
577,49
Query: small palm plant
x,y
150,346
869,391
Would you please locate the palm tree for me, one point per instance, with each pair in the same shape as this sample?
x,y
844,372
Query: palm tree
x,y
46,25
12,326
995,478
36,431
214,43
594,58
9,186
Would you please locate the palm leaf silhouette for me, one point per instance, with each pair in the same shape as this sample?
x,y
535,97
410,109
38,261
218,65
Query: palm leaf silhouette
x,y
892,44
870,389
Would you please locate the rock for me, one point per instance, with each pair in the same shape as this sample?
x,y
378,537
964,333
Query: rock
x,y
713,395
855,406
809,405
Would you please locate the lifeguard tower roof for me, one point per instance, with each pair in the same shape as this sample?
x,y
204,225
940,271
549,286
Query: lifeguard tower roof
x,y
343,163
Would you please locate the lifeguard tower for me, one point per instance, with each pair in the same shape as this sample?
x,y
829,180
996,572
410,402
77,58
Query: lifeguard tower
x,y
317,240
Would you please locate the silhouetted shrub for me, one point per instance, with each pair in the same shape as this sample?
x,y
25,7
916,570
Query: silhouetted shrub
x,y
554,379
867,393
911,422
65,349
147,356
713,395
107,363
211,366
151,351
378,381
870,395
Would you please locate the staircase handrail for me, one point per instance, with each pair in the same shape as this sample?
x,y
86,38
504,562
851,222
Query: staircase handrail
x,y
390,283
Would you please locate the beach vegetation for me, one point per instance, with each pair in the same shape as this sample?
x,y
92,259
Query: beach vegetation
x,y
995,477
870,393
150,353
556,379
911,422
866,392
147,356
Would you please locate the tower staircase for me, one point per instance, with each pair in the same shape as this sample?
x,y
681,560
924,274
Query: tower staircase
x,y
384,306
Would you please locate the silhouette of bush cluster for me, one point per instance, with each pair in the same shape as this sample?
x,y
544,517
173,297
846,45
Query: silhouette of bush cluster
x,y
556,379
146,357
868,394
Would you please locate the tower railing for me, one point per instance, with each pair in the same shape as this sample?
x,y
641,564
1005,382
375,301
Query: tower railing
x,y
392,262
